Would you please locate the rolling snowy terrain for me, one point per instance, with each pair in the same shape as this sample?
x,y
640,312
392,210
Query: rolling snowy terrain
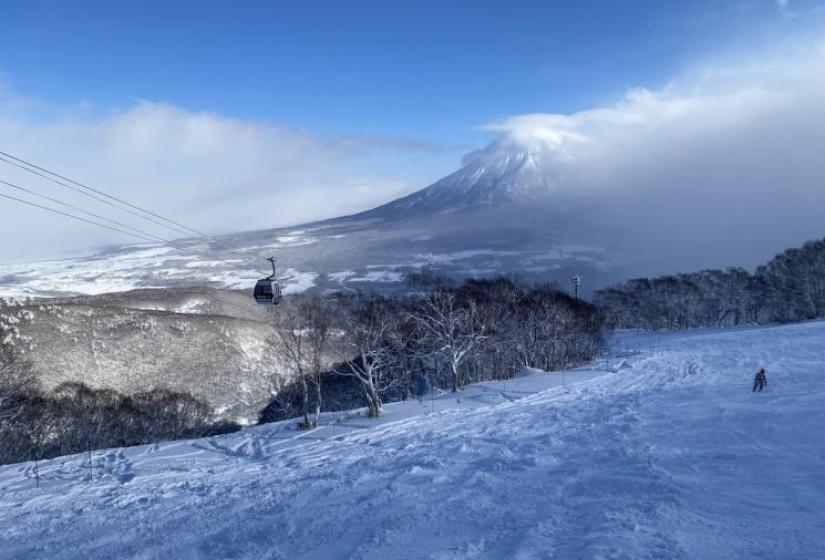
x,y
659,451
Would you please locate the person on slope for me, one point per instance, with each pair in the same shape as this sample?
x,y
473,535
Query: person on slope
x,y
760,380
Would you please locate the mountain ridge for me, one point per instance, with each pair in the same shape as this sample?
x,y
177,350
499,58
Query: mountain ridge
x,y
503,174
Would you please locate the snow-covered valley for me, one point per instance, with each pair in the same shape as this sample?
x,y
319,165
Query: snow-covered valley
x,y
658,451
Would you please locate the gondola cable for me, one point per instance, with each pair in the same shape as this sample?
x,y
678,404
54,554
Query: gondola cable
x,y
267,290
273,294
29,203
117,224
110,200
91,195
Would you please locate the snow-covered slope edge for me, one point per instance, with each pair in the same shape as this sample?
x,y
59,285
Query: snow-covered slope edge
x,y
668,456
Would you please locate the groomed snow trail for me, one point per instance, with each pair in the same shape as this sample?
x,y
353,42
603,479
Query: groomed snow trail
x,y
669,456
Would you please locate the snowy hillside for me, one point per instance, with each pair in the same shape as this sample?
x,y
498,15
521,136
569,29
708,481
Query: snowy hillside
x,y
212,344
661,451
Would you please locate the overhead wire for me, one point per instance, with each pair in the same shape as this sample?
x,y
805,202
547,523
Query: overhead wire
x,y
137,234
29,203
114,202
110,200
117,224
100,221
90,195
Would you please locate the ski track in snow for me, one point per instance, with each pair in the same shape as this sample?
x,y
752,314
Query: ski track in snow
x,y
666,455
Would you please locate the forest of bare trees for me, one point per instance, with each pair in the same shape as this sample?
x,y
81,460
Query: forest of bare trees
x,y
72,418
369,349
341,352
791,287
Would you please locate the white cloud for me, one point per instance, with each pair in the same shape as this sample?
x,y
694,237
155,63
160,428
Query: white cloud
x,y
723,166
214,173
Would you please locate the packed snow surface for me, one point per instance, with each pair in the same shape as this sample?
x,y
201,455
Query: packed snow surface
x,y
659,451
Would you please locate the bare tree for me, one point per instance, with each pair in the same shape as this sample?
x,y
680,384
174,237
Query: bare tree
x,y
16,381
303,333
405,351
37,430
483,329
451,330
363,347
17,385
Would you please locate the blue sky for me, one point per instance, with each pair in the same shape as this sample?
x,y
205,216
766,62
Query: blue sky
x,y
285,112
431,70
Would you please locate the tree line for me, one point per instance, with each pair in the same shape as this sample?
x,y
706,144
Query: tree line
x,y
790,287
368,349
73,418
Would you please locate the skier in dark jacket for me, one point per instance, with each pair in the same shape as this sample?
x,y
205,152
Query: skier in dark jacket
x,y
760,380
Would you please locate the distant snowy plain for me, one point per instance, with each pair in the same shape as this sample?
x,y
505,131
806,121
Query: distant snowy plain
x,y
360,258
658,451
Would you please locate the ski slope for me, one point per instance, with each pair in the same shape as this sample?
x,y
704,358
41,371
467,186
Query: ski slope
x,y
660,451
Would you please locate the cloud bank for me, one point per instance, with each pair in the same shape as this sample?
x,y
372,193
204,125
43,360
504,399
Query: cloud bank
x,y
723,166
214,173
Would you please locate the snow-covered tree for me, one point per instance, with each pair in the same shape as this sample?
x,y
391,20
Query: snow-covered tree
x,y
791,287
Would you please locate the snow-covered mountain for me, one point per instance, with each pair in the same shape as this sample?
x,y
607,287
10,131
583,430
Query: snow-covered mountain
x,y
540,201
659,451
500,213
505,173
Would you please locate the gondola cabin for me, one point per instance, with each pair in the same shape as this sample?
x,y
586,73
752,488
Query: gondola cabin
x,y
267,290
